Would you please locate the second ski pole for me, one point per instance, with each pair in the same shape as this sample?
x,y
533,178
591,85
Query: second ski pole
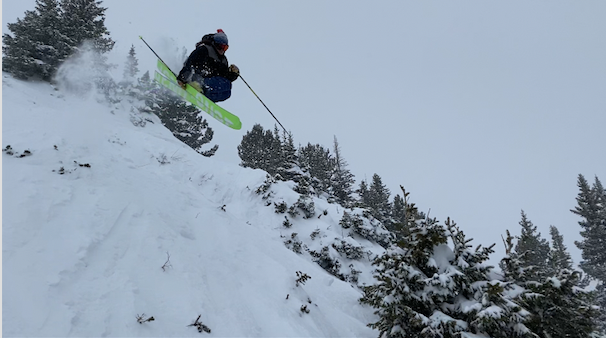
x,y
264,105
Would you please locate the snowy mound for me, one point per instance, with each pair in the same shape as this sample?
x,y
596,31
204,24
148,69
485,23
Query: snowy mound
x,y
108,218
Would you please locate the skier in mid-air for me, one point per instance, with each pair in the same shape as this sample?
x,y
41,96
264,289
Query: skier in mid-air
x,y
207,69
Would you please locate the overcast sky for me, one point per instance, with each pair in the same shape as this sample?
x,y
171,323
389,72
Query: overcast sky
x,y
479,109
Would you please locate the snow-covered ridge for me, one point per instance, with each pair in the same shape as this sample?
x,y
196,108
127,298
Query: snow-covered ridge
x,y
105,220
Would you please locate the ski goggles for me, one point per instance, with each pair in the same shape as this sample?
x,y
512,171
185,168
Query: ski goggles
x,y
222,47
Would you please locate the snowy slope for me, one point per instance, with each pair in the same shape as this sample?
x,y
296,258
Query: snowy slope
x,y
90,217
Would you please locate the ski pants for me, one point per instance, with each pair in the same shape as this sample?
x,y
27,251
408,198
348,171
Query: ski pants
x,y
216,88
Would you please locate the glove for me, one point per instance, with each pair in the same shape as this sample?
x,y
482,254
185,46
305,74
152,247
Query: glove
x,y
234,69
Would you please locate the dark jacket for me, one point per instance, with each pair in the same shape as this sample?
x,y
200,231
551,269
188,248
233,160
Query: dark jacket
x,y
206,62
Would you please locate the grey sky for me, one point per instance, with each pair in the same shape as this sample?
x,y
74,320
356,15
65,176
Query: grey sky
x,y
480,109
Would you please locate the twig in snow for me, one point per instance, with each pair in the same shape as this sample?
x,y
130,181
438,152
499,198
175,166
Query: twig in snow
x,y
140,319
201,327
167,263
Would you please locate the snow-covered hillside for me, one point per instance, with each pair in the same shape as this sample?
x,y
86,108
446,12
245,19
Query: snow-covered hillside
x,y
107,216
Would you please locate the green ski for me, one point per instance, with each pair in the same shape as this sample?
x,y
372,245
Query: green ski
x,y
168,79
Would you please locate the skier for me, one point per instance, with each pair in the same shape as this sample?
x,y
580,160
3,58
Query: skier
x,y
207,70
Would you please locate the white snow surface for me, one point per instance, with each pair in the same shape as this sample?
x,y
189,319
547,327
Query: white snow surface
x,y
83,251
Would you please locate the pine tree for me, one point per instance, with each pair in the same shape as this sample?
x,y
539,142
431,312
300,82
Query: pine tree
x,y
318,162
511,264
363,195
128,85
289,168
257,150
184,120
404,216
398,211
38,44
533,250
592,209
85,20
271,152
304,185
427,289
48,36
131,66
378,199
342,179
278,158
143,88
559,258
557,306
494,313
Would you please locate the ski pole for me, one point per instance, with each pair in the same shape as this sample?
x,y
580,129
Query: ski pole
x,y
263,103
159,58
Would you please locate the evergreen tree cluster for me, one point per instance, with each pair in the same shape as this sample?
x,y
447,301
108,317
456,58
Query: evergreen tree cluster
x,y
550,290
322,172
313,167
430,282
428,288
318,171
50,34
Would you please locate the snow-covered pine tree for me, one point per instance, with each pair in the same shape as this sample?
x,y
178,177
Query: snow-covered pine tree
x,y
127,85
141,90
289,168
427,289
559,258
363,196
591,207
398,211
592,210
184,120
400,294
257,150
84,20
482,302
404,215
304,185
342,179
278,160
538,248
348,220
378,199
557,306
131,66
511,264
318,162
46,37
37,44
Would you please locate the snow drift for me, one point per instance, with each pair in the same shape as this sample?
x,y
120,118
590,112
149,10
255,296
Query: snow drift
x,y
105,220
